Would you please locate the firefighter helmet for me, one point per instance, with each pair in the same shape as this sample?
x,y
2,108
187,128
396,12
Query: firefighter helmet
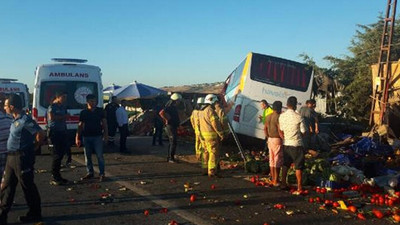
x,y
210,99
176,96
200,100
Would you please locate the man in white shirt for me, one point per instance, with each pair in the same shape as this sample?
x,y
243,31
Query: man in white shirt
x,y
292,126
122,120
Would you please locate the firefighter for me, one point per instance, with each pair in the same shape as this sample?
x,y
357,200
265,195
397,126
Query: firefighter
x,y
194,118
221,113
211,132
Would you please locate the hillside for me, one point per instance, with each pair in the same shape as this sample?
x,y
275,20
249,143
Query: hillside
x,y
214,88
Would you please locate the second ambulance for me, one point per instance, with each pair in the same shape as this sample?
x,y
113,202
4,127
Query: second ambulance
x,y
72,76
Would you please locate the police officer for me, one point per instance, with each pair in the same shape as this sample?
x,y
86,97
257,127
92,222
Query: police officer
x,y
24,134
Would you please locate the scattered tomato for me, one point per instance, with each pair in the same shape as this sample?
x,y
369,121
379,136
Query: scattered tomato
x,y
352,208
361,216
213,186
173,222
192,198
377,213
396,217
146,212
164,210
279,206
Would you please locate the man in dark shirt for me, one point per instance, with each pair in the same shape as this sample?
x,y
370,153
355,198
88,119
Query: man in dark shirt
x,y
92,127
112,124
171,119
57,116
25,133
310,118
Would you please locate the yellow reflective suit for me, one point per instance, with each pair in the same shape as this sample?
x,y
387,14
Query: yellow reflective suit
x,y
211,135
223,119
194,119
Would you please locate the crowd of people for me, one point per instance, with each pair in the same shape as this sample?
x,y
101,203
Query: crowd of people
x,y
287,139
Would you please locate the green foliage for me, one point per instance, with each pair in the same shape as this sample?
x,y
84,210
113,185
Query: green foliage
x,y
354,71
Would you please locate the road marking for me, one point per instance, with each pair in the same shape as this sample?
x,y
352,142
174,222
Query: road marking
x,y
162,203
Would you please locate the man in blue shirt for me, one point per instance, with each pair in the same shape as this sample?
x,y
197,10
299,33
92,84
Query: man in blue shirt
x,y
24,134
57,117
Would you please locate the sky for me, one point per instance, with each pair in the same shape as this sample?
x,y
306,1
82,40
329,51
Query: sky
x,y
174,42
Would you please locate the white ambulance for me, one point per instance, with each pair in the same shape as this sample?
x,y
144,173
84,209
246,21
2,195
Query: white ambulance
x,y
72,76
10,86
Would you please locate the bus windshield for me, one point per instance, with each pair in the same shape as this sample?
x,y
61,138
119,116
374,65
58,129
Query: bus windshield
x,y
76,92
280,72
235,76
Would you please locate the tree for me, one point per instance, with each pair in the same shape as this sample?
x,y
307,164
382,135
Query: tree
x,y
354,71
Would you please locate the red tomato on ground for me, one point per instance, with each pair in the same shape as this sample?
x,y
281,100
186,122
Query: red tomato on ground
x,y
361,216
192,198
352,208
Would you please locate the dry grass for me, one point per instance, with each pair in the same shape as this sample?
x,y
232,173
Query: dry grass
x,y
197,88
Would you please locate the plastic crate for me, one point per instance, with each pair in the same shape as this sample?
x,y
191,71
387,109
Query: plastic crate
x,y
333,184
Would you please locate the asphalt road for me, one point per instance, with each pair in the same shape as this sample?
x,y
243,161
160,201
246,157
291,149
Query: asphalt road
x,y
143,180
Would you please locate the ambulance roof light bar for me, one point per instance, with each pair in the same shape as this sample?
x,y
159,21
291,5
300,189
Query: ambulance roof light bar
x,y
67,60
7,80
